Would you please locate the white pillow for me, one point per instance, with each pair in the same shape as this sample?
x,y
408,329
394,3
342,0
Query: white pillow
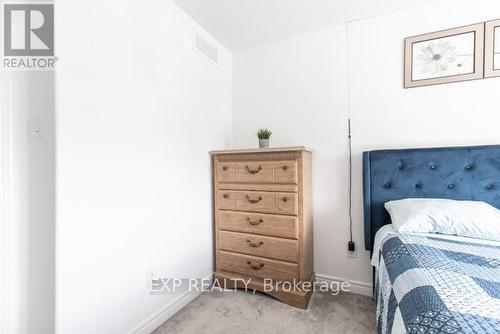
x,y
464,218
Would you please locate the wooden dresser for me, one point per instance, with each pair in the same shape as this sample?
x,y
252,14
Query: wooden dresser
x,y
263,221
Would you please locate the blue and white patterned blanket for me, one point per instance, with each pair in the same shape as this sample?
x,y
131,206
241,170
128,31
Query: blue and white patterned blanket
x,y
427,284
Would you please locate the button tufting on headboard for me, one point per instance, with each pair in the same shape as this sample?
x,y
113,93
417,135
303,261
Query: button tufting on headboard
x,y
461,173
401,164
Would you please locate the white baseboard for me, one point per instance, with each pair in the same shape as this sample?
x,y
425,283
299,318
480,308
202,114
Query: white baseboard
x,y
359,288
166,312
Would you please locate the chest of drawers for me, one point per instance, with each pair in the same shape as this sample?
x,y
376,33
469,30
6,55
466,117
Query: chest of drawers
x,y
263,221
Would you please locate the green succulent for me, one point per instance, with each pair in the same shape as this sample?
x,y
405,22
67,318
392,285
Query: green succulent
x,y
264,134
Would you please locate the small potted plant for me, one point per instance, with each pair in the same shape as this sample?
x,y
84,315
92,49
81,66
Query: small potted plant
x,y
264,135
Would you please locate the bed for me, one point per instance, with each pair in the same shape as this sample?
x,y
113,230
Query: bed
x,y
432,283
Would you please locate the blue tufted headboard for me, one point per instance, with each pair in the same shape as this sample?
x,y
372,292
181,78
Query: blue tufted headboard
x,y
463,173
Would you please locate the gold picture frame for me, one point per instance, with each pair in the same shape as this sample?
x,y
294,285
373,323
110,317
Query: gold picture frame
x,y
446,56
492,49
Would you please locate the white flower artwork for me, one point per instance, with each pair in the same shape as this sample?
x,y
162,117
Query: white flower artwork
x,y
447,56
492,49
443,57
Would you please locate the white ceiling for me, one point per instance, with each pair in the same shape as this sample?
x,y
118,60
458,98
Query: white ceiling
x,y
240,24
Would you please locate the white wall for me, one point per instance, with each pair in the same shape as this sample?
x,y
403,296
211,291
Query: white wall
x,y
386,115
298,87
40,94
137,113
27,202
28,227
15,204
5,317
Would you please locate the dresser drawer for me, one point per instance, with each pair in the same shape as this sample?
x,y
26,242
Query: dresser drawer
x,y
257,172
254,172
226,200
258,201
257,267
286,203
285,172
224,172
277,226
270,247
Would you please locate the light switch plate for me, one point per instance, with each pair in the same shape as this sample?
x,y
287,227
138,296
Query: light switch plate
x,y
37,128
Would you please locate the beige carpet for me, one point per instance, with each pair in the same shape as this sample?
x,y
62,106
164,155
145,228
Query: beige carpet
x,y
244,312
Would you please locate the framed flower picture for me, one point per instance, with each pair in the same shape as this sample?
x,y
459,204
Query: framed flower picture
x,y
445,56
492,49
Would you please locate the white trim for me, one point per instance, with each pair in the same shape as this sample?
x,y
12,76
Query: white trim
x,y
5,317
15,215
358,288
166,312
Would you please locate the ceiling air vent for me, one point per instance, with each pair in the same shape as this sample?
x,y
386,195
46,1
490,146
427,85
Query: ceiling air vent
x,y
205,49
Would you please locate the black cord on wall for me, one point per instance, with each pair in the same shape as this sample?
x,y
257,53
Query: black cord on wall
x,y
350,245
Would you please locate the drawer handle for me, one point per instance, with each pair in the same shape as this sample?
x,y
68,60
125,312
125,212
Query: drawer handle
x,y
225,196
256,200
253,171
256,266
224,168
285,199
285,168
255,244
255,222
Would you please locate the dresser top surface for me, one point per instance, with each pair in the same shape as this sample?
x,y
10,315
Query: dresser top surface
x,y
262,150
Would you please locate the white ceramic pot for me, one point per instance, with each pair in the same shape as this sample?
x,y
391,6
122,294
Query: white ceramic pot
x,y
263,143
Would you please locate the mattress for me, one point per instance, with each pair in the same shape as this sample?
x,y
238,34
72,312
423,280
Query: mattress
x,y
428,283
